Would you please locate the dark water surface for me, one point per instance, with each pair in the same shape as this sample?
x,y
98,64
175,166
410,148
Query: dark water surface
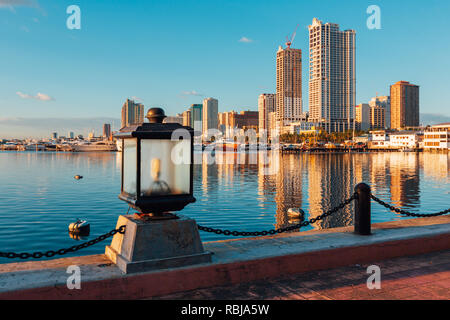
x,y
39,196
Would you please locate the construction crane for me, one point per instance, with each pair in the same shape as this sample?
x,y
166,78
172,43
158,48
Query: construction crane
x,y
289,42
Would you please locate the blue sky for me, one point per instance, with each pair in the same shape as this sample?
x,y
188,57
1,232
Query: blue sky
x,y
175,53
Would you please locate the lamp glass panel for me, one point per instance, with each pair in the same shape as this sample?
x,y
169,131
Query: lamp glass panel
x,y
165,167
129,166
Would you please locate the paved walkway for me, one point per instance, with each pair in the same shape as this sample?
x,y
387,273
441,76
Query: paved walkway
x,y
421,277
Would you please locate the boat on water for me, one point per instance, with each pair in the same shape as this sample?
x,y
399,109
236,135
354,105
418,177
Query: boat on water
x,y
406,149
99,146
34,147
119,145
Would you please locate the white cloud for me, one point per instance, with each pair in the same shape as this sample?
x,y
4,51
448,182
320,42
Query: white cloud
x,y
137,99
10,4
245,40
192,93
39,96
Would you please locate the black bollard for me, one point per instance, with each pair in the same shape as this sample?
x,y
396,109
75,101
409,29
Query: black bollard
x,y
362,209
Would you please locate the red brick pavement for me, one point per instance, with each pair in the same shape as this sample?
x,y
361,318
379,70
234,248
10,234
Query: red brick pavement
x,y
419,277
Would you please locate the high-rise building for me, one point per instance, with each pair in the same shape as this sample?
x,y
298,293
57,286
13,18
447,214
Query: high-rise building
x,y
55,135
196,115
362,116
210,116
377,117
132,113
404,105
289,85
384,102
70,135
107,131
266,104
332,80
187,118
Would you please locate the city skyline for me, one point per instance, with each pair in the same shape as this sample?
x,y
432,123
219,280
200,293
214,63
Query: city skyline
x,y
237,82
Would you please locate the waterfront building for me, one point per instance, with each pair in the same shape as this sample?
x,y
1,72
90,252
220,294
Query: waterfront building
x,y
266,104
437,137
384,102
405,139
210,119
274,125
71,135
132,113
377,117
362,117
174,119
232,122
289,85
305,127
332,80
404,105
107,131
187,118
196,114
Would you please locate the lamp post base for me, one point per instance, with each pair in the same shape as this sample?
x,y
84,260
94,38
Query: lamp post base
x,y
156,244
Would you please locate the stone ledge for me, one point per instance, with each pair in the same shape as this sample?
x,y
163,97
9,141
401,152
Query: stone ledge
x,y
234,261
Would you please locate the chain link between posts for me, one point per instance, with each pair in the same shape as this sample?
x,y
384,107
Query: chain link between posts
x,y
51,253
121,230
279,230
407,213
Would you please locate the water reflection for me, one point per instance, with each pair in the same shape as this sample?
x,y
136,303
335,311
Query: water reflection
x,y
319,182
248,192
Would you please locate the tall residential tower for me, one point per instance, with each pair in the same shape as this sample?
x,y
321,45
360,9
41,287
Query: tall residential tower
x,y
210,116
332,82
404,105
289,85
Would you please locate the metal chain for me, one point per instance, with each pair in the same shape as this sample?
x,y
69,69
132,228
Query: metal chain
x,y
279,230
392,208
51,253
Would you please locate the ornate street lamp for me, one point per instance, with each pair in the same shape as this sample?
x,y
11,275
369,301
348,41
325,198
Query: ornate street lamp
x,y
157,166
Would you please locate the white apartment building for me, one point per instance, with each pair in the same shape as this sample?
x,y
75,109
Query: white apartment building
x,y
437,137
406,139
379,139
332,77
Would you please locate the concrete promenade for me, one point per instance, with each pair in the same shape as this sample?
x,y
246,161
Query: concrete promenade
x,y
420,277
239,264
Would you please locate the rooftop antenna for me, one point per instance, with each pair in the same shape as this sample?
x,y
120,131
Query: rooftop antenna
x,y
289,42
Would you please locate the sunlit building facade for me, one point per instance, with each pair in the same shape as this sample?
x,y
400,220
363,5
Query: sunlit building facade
x,y
332,77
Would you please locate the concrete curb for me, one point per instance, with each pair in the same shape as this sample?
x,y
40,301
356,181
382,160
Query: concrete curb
x,y
152,284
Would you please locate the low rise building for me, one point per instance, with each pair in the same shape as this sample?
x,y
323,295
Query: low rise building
x,y
437,137
406,139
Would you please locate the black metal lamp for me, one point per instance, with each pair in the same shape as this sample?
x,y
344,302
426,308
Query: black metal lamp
x,y
157,166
